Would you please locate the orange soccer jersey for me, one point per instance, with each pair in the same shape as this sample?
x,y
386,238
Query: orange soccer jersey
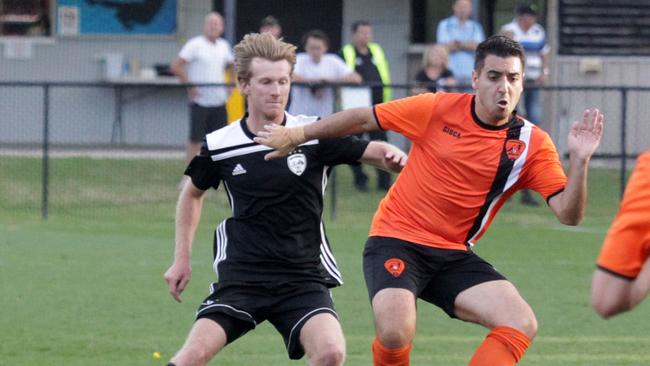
x,y
460,170
627,245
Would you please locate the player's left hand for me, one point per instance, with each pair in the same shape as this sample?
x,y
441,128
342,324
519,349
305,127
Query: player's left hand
x,y
585,135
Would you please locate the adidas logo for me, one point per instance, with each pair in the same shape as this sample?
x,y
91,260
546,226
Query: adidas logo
x,y
238,170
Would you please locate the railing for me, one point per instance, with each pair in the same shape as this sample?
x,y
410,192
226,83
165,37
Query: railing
x,y
77,115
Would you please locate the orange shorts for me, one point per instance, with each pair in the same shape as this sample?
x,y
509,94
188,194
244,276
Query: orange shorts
x,y
627,245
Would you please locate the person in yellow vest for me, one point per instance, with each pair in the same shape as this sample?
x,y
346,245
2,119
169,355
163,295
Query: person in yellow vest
x,y
367,58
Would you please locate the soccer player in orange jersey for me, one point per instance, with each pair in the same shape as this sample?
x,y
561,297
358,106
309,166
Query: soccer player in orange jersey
x,y
622,279
469,154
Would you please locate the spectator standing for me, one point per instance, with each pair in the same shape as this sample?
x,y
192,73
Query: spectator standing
x,y
435,71
532,37
367,58
461,35
317,68
204,59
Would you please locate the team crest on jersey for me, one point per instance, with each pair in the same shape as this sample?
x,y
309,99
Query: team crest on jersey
x,y
395,266
297,163
514,148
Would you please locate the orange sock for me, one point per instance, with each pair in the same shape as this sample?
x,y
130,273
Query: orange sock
x,y
503,346
383,356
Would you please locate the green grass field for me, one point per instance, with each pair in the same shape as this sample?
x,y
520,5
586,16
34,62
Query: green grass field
x,y
85,287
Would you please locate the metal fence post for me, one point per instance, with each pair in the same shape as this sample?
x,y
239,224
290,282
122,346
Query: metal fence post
x,y
46,153
623,139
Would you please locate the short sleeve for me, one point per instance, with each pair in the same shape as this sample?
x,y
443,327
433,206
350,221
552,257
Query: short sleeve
x,y
545,173
479,35
421,77
230,58
340,67
203,171
409,116
442,36
346,150
188,52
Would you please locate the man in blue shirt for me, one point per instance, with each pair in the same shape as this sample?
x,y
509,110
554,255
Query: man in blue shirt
x,y
461,35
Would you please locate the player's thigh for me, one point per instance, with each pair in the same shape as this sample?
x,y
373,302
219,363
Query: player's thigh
x,y
295,305
322,333
205,340
496,303
395,316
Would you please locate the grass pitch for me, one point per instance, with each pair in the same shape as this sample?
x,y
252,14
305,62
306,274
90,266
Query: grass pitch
x,y
85,286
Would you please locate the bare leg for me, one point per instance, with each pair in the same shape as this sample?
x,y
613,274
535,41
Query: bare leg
x,y
205,340
395,317
496,303
322,339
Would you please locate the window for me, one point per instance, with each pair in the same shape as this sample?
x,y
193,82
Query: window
x,y
25,18
603,27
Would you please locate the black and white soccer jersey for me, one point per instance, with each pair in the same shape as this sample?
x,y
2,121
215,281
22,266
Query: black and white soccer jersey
x,y
276,233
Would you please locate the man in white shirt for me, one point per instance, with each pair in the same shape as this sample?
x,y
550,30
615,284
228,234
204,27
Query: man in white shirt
x,y
532,37
203,60
316,67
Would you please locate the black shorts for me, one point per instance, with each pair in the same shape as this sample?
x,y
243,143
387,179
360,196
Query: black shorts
x,y
204,120
433,275
238,308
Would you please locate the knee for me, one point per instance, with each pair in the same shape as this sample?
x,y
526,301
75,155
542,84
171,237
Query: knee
x,y
527,325
329,355
606,308
396,337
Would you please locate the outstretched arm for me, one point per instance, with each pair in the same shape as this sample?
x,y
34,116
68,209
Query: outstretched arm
x,y
344,123
584,137
188,214
612,295
384,156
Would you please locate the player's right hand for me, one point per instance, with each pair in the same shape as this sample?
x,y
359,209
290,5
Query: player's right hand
x,y
177,277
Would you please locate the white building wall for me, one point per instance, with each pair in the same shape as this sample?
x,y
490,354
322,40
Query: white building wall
x,y
597,71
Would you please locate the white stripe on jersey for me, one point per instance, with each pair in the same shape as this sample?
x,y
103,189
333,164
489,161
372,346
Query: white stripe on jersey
x,y
524,135
231,199
249,150
232,136
221,242
513,177
326,256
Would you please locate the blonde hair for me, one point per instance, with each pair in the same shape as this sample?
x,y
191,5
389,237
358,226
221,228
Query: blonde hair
x,y
262,45
433,48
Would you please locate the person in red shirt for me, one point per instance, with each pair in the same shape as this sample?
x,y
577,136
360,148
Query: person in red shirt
x,y
622,279
469,154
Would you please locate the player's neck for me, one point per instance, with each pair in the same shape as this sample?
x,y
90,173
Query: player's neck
x,y
485,117
256,122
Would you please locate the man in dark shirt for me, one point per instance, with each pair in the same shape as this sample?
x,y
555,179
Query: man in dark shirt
x,y
367,58
271,258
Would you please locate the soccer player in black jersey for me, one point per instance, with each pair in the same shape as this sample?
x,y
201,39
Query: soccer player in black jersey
x,y
272,258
